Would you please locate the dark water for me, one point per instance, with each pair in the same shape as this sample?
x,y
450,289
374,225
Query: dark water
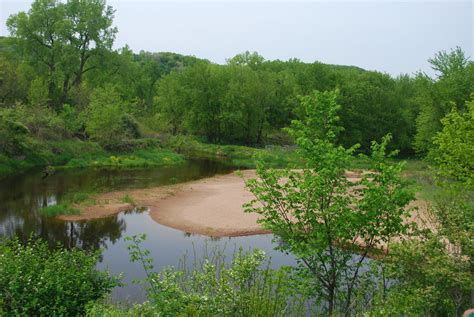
x,y
22,196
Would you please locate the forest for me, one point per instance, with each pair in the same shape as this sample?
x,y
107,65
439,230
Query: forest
x,y
69,98
62,81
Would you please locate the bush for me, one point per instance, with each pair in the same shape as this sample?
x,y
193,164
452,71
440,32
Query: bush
x,y
107,123
13,134
73,120
245,287
38,281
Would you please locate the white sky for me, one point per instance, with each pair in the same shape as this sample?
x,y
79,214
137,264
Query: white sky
x,y
389,36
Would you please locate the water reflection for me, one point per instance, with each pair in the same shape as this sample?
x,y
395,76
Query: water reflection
x,y
22,196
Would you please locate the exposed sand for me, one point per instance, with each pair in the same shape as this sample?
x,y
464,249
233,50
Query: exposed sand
x,y
210,206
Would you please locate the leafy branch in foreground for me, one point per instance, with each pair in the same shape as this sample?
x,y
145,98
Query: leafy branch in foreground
x,y
38,281
434,272
245,287
329,221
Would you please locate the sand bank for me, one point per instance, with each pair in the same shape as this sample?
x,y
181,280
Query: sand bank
x,y
210,206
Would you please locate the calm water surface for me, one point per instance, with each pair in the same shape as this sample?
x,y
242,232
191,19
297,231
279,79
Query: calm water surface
x,y
22,196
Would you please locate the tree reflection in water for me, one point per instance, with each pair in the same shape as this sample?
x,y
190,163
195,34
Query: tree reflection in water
x,y
21,197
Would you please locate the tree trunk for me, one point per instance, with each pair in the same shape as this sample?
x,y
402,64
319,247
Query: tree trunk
x,y
331,300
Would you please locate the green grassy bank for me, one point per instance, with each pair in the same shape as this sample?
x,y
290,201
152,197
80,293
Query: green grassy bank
x,y
75,153
235,155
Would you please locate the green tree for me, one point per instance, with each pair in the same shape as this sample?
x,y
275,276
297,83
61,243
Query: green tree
x,y
40,38
246,104
454,145
329,222
107,123
434,270
451,88
38,92
171,101
64,40
374,104
253,60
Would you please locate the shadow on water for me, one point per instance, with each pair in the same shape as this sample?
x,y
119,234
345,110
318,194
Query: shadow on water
x,y
21,197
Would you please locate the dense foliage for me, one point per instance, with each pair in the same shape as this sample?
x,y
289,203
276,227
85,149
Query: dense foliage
x,y
322,216
38,281
68,98
244,287
60,79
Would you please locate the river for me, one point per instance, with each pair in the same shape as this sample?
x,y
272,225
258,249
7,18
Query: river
x,y
22,195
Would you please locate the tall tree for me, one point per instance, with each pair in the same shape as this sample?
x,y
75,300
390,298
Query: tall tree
x,y
64,40
40,37
451,88
89,33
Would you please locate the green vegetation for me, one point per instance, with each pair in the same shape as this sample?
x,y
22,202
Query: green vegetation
x,y
128,200
78,154
58,210
66,205
62,86
322,217
244,287
140,158
235,155
38,281
68,100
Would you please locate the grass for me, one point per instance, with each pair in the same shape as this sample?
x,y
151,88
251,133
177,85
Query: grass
x,y
422,178
138,159
74,153
77,197
236,155
128,200
84,198
58,210
67,203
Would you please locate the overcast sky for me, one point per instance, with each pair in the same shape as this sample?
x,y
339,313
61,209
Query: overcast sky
x,y
394,37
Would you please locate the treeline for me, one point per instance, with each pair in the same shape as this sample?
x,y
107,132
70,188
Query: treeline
x,y
60,78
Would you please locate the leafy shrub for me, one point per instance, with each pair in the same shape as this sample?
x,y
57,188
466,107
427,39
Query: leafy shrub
x,y
73,120
107,123
38,281
454,146
428,279
13,134
245,287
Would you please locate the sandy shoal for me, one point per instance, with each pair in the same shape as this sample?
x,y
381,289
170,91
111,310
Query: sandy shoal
x,y
210,206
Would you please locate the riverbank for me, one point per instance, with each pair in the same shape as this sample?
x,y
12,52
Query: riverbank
x,y
210,206
75,153
236,155
147,152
